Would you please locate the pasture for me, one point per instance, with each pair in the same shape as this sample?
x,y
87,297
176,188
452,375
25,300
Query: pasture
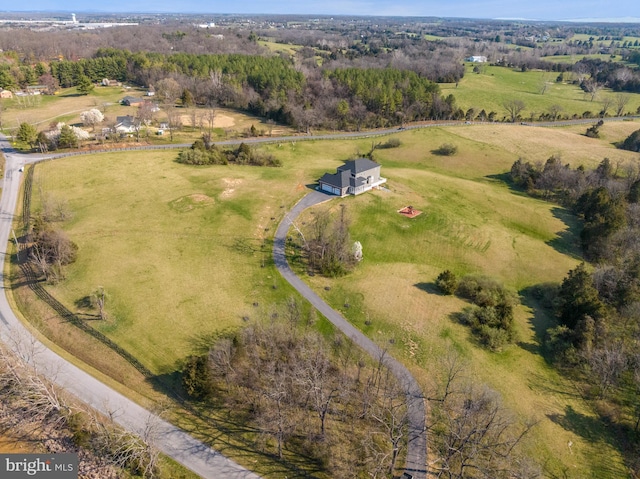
x,y
494,86
184,253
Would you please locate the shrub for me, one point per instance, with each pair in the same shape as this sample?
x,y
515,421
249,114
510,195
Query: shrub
x,y
491,317
201,154
632,142
446,149
196,377
594,131
390,143
447,282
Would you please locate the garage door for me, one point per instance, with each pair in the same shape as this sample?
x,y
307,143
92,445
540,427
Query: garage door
x,y
328,188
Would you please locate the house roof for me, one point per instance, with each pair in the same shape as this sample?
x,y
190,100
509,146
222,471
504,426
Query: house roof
x,y
339,179
132,99
124,119
358,166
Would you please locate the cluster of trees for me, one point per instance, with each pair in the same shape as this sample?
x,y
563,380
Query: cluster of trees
x,y
605,201
616,75
60,135
203,152
305,394
471,432
328,246
50,248
598,307
491,316
632,142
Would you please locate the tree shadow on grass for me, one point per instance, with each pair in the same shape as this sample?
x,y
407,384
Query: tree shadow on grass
x,y
229,431
505,178
538,298
597,430
567,241
430,288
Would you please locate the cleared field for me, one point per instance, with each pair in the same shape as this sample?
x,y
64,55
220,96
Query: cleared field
x,y
276,47
65,106
496,85
180,251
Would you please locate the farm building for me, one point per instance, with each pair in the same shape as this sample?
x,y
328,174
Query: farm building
x,y
132,100
352,178
107,82
477,59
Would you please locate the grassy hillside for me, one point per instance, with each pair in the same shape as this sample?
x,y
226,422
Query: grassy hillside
x,y
493,87
181,250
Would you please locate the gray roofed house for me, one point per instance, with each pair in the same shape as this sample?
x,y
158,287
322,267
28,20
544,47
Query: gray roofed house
x,y
125,124
352,178
131,100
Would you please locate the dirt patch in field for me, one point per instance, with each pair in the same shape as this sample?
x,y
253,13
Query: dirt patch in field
x,y
219,121
190,202
230,185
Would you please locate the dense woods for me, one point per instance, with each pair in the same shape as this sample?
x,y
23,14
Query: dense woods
x,y
347,75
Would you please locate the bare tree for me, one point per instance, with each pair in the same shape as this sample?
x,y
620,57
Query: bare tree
x,y
544,83
514,107
592,87
390,411
98,300
554,111
168,90
320,380
144,117
476,437
173,119
607,364
606,102
621,101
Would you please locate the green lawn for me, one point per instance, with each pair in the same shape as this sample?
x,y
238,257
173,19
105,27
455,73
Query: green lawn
x,y
179,250
496,85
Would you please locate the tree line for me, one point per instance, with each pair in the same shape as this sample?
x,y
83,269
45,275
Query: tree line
x,y
597,336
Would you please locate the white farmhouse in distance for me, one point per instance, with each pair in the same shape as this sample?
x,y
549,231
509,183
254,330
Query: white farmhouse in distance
x,y
477,59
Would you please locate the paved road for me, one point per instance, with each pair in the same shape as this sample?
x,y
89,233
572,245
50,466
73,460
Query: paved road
x,y
417,444
171,440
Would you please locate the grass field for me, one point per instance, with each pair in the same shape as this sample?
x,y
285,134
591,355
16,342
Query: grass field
x,y
276,47
496,85
180,252
575,58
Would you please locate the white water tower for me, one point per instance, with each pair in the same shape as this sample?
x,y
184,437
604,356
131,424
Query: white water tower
x,y
73,18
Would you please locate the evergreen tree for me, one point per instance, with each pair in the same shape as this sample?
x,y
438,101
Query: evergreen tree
x,y
84,85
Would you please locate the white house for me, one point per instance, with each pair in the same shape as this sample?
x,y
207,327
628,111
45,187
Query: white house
x,y
477,59
352,178
125,124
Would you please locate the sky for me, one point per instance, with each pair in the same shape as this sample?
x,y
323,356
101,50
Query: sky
x,y
529,9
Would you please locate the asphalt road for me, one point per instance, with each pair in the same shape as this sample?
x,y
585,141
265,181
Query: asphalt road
x,y
169,439
417,434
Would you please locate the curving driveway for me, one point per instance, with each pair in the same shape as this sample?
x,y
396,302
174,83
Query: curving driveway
x,y
417,436
169,439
